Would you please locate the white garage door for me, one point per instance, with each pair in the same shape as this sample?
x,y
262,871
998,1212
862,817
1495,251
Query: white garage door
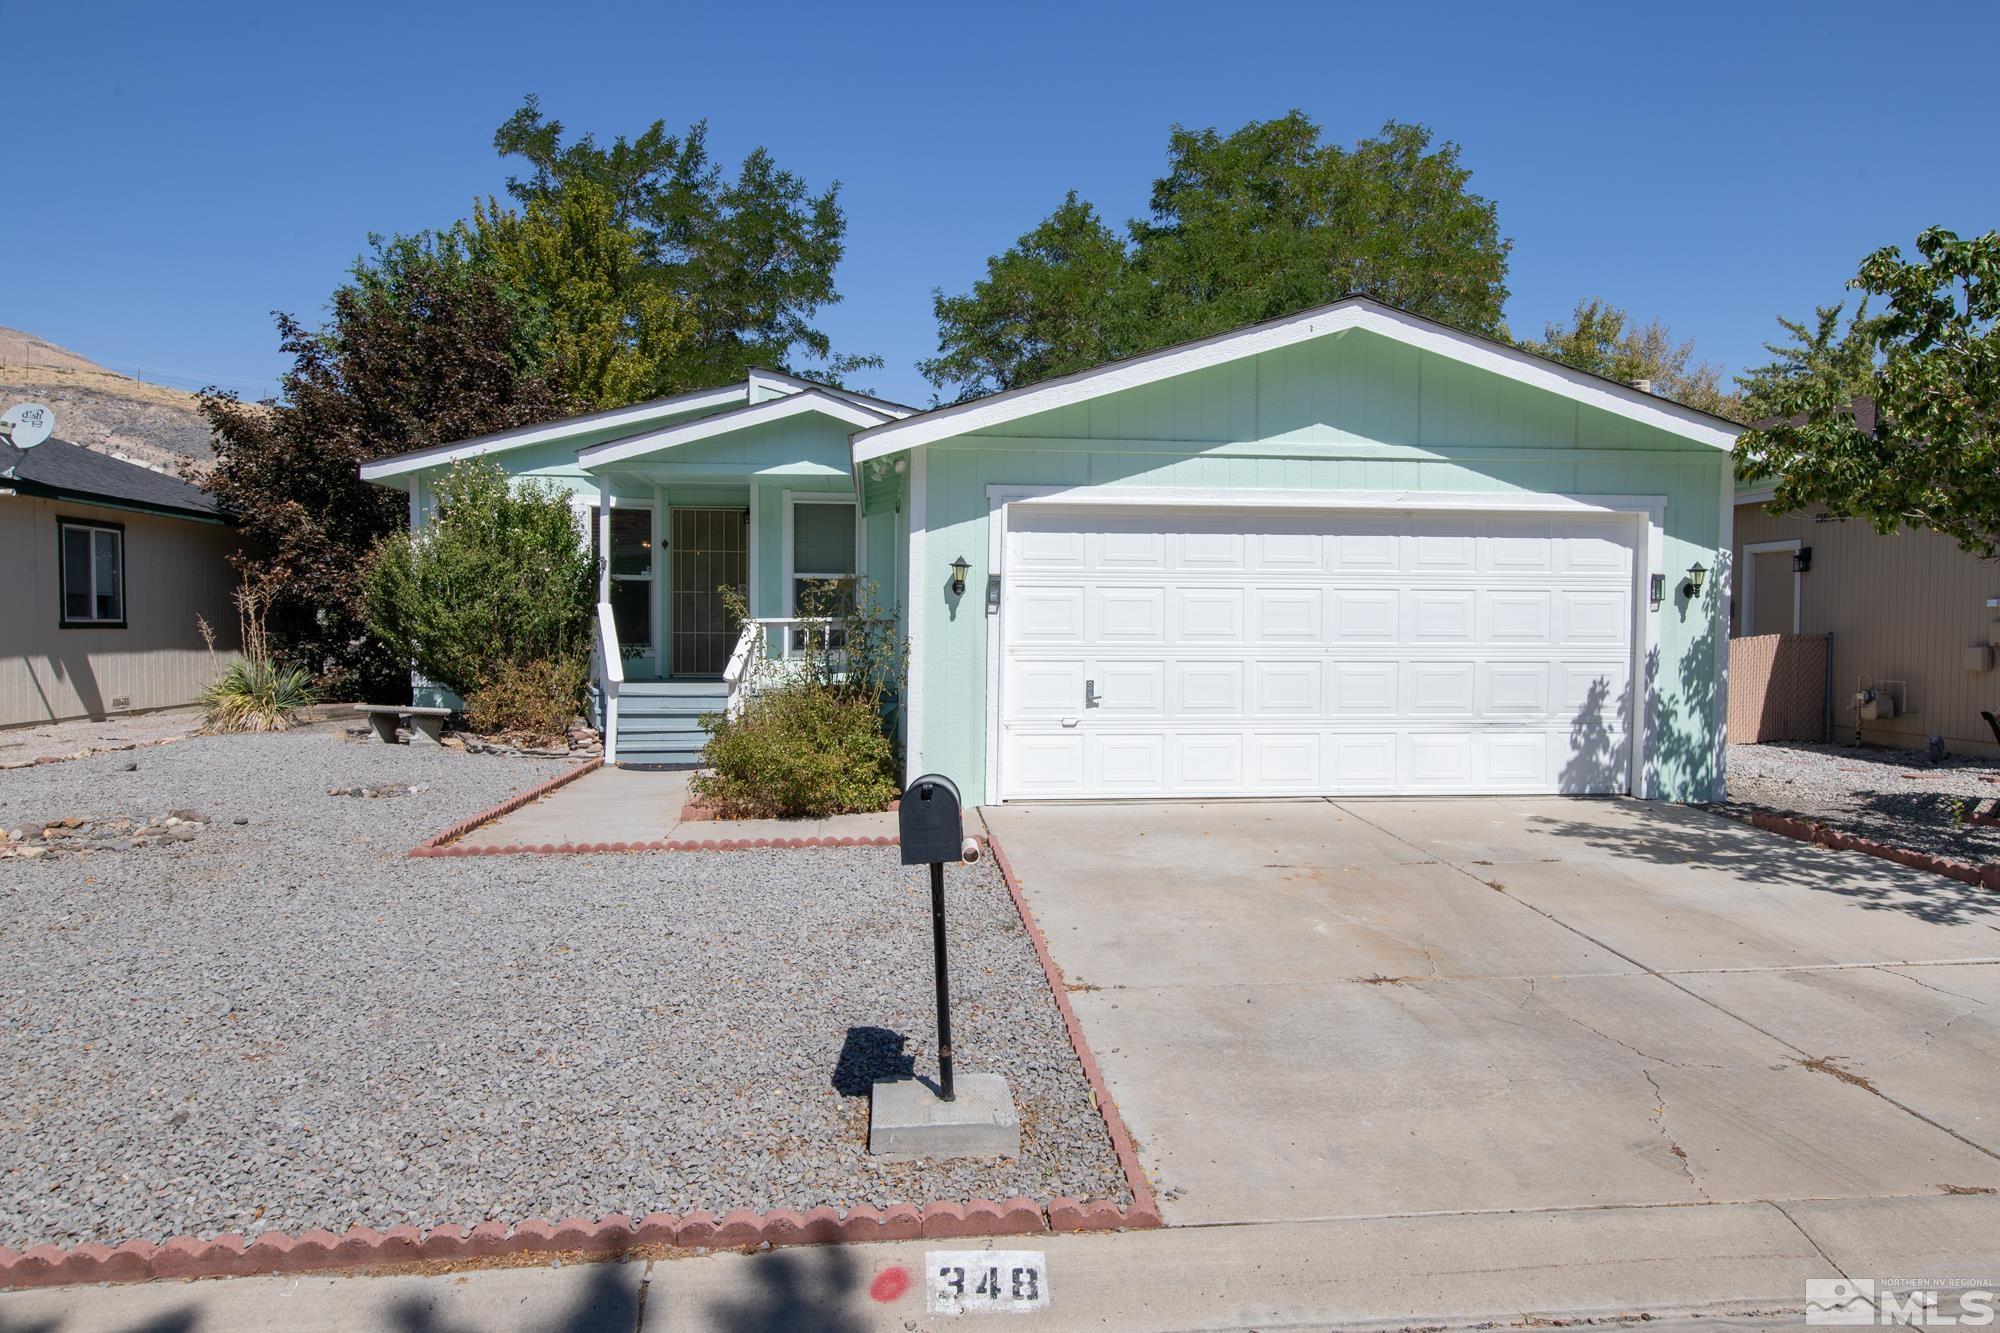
x,y
1199,652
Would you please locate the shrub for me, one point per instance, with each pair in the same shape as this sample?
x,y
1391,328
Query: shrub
x,y
499,580
253,692
798,751
530,702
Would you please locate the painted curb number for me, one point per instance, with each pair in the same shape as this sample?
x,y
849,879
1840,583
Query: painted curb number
x,y
986,1281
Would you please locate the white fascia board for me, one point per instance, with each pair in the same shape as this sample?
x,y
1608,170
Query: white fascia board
x,y
722,423
441,455
785,383
1758,495
1352,313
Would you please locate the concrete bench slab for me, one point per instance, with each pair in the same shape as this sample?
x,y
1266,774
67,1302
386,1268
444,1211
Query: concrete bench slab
x,y
426,724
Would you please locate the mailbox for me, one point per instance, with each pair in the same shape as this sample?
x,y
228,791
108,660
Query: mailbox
x,y
932,829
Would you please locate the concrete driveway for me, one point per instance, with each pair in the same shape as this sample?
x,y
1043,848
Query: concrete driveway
x,y
1324,1010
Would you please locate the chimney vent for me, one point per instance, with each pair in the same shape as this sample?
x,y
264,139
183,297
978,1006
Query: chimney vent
x,y
1643,386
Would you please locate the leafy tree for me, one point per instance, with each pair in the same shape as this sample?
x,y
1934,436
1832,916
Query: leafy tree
x,y
498,580
752,258
421,349
600,313
1844,357
1602,339
1244,226
1933,459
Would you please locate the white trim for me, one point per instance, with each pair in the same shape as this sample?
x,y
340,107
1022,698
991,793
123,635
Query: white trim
x,y
418,459
796,498
1648,511
789,384
722,423
1725,568
753,600
1354,312
1748,620
1760,495
913,615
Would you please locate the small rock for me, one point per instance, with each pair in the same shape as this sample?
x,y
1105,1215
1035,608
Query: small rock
x,y
240,819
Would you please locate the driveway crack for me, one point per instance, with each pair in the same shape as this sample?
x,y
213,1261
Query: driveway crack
x,y
1659,1119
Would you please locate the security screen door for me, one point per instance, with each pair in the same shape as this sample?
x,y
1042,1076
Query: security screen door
x,y
711,551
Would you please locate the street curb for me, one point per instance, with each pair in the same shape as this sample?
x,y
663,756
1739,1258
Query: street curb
x,y
1985,875
1145,1208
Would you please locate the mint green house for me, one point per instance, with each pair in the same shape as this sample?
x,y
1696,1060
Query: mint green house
x,y
1350,551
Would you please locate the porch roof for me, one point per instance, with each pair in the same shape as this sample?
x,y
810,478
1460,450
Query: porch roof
x,y
761,427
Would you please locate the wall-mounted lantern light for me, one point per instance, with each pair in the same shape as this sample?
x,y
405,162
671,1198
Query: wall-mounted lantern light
x,y
1802,560
1696,577
959,569
1659,589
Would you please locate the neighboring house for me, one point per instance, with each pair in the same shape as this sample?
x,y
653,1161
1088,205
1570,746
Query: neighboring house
x,y
1351,551
109,568
1909,614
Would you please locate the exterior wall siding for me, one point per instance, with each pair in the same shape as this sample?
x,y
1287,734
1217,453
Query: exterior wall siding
x,y
1901,607
175,571
1351,412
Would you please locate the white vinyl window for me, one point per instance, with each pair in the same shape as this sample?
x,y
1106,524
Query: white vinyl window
x,y
822,545
632,566
93,573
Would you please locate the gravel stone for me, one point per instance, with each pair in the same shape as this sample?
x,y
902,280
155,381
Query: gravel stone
x,y
290,1024
1892,795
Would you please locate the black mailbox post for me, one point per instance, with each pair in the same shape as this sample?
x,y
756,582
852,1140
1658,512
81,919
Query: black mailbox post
x,y
932,831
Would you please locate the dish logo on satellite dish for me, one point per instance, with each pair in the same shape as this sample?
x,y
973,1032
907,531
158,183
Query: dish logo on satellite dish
x,y
27,424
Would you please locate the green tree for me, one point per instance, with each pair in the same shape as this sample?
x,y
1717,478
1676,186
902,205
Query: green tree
x,y
600,313
1933,459
1244,226
1823,350
497,580
421,349
751,259
1602,339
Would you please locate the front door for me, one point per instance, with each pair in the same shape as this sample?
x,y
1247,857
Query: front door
x,y
711,551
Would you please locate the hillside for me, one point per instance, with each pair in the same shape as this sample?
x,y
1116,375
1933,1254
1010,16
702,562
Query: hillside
x,y
150,424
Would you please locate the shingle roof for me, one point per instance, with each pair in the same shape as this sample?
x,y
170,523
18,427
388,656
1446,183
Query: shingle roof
x,y
61,470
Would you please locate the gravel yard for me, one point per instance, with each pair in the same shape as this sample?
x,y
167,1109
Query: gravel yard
x,y
284,1023
1894,796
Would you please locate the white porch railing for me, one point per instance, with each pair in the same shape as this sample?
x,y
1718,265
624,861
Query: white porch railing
x,y
608,666
763,648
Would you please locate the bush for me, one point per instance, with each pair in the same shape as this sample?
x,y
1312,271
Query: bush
x,y
798,751
529,703
498,581
255,694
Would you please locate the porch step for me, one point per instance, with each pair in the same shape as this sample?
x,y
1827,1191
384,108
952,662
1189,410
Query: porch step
x,y
659,720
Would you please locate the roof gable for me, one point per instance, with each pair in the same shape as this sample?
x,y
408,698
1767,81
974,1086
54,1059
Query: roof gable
x,y
993,413
809,401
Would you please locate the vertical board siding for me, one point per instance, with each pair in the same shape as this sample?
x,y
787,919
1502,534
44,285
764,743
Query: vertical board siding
x,y
1411,412
177,573
1901,607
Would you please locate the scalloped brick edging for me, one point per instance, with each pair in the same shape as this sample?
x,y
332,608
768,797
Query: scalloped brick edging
x,y
611,1237
1966,872
1145,1209
658,845
435,844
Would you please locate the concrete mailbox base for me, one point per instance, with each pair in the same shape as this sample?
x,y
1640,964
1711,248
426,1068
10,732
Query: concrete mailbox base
x,y
907,1120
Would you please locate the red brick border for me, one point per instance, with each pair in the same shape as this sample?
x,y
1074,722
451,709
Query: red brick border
x,y
311,1251
1824,835
1145,1209
434,845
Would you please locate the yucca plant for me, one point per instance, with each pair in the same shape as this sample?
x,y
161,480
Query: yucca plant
x,y
253,692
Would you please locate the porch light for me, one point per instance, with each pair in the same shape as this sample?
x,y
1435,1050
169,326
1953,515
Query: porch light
x,y
1696,577
1802,560
959,569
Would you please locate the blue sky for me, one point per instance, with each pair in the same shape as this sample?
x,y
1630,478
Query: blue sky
x,y
177,172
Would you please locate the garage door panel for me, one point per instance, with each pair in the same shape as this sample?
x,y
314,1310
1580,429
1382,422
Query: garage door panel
x,y
1292,654
1129,614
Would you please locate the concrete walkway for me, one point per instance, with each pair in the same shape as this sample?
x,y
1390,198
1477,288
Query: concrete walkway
x,y
1721,1267
1313,1010
644,805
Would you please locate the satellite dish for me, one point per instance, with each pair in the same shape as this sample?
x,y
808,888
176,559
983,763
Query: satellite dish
x,y
28,424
